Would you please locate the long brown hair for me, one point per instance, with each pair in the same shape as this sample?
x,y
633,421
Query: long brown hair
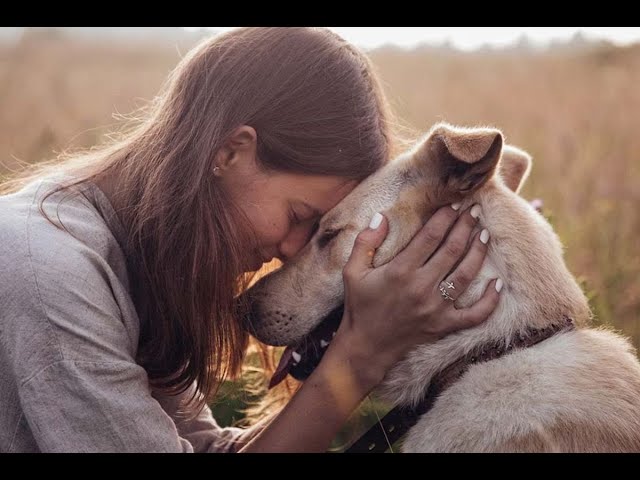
x,y
317,108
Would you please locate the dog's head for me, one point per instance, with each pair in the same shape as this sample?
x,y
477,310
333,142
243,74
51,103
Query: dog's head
x,y
447,165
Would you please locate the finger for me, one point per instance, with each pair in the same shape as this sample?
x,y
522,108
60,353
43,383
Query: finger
x,y
365,245
462,276
455,245
476,313
426,241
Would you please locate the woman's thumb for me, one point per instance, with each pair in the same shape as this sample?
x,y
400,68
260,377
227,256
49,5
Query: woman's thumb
x,y
366,243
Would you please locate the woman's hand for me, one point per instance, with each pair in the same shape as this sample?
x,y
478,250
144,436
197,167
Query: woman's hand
x,y
388,311
393,308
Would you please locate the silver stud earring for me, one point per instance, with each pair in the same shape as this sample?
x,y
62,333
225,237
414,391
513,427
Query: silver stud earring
x,y
216,170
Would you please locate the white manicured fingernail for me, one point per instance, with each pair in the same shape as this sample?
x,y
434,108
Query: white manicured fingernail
x,y
475,211
296,357
456,206
484,237
498,285
375,221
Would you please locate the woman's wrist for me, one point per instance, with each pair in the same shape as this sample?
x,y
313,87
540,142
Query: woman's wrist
x,y
355,359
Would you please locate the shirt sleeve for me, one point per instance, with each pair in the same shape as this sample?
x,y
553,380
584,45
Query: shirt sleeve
x,y
82,406
202,431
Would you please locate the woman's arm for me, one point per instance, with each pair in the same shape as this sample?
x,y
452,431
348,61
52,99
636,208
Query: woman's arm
x,y
68,378
319,409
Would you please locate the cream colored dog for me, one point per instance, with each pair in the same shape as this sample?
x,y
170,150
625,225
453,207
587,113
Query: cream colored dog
x,y
577,391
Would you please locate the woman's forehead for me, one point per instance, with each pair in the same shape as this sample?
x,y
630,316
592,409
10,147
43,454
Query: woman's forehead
x,y
321,193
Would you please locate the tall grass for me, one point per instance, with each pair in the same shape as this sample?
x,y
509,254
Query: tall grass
x,y
576,111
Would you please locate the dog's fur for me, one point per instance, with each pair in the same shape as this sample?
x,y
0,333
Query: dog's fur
x,y
578,391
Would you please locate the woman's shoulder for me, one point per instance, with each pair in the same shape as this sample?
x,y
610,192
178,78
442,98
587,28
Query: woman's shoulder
x,y
70,246
50,226
57,283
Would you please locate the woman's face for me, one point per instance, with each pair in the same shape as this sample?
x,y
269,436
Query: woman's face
x,y
282,208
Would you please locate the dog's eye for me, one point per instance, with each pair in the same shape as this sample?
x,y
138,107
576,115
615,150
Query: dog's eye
x,y
327,236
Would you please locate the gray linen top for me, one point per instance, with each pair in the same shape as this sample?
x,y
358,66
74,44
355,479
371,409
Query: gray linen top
x,y
69,331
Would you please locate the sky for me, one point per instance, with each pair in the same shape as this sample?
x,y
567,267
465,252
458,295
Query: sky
x,y
469,38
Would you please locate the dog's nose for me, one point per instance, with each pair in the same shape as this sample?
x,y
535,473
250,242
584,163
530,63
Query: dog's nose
x,y
265,325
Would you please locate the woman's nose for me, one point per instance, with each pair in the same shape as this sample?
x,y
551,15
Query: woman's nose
x,y
295,241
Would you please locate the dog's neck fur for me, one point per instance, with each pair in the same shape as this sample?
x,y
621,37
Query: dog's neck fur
x,y
536,293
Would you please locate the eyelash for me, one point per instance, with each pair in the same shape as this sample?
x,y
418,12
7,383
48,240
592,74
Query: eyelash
x,y
293,217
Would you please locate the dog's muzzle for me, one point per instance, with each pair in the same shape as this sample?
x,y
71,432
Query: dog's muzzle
x,y
301,360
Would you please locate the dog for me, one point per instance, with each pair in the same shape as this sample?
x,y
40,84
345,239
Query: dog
x,y
576,391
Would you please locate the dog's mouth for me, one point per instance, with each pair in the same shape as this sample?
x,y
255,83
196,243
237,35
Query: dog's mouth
x,y
301,359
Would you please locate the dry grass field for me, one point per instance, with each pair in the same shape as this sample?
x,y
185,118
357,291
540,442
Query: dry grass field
x,y
576,110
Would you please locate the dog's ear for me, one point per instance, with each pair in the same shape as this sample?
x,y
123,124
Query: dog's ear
x,y
463,158
515,166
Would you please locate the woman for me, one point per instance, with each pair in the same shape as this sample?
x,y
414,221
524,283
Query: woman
x,y
121,267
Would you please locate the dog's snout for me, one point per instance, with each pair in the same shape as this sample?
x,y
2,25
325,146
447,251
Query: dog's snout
x,y
270,326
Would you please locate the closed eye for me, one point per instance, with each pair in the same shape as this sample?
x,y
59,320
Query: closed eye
x,y
327,236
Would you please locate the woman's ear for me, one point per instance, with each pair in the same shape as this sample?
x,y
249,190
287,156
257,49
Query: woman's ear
x,y
239,147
